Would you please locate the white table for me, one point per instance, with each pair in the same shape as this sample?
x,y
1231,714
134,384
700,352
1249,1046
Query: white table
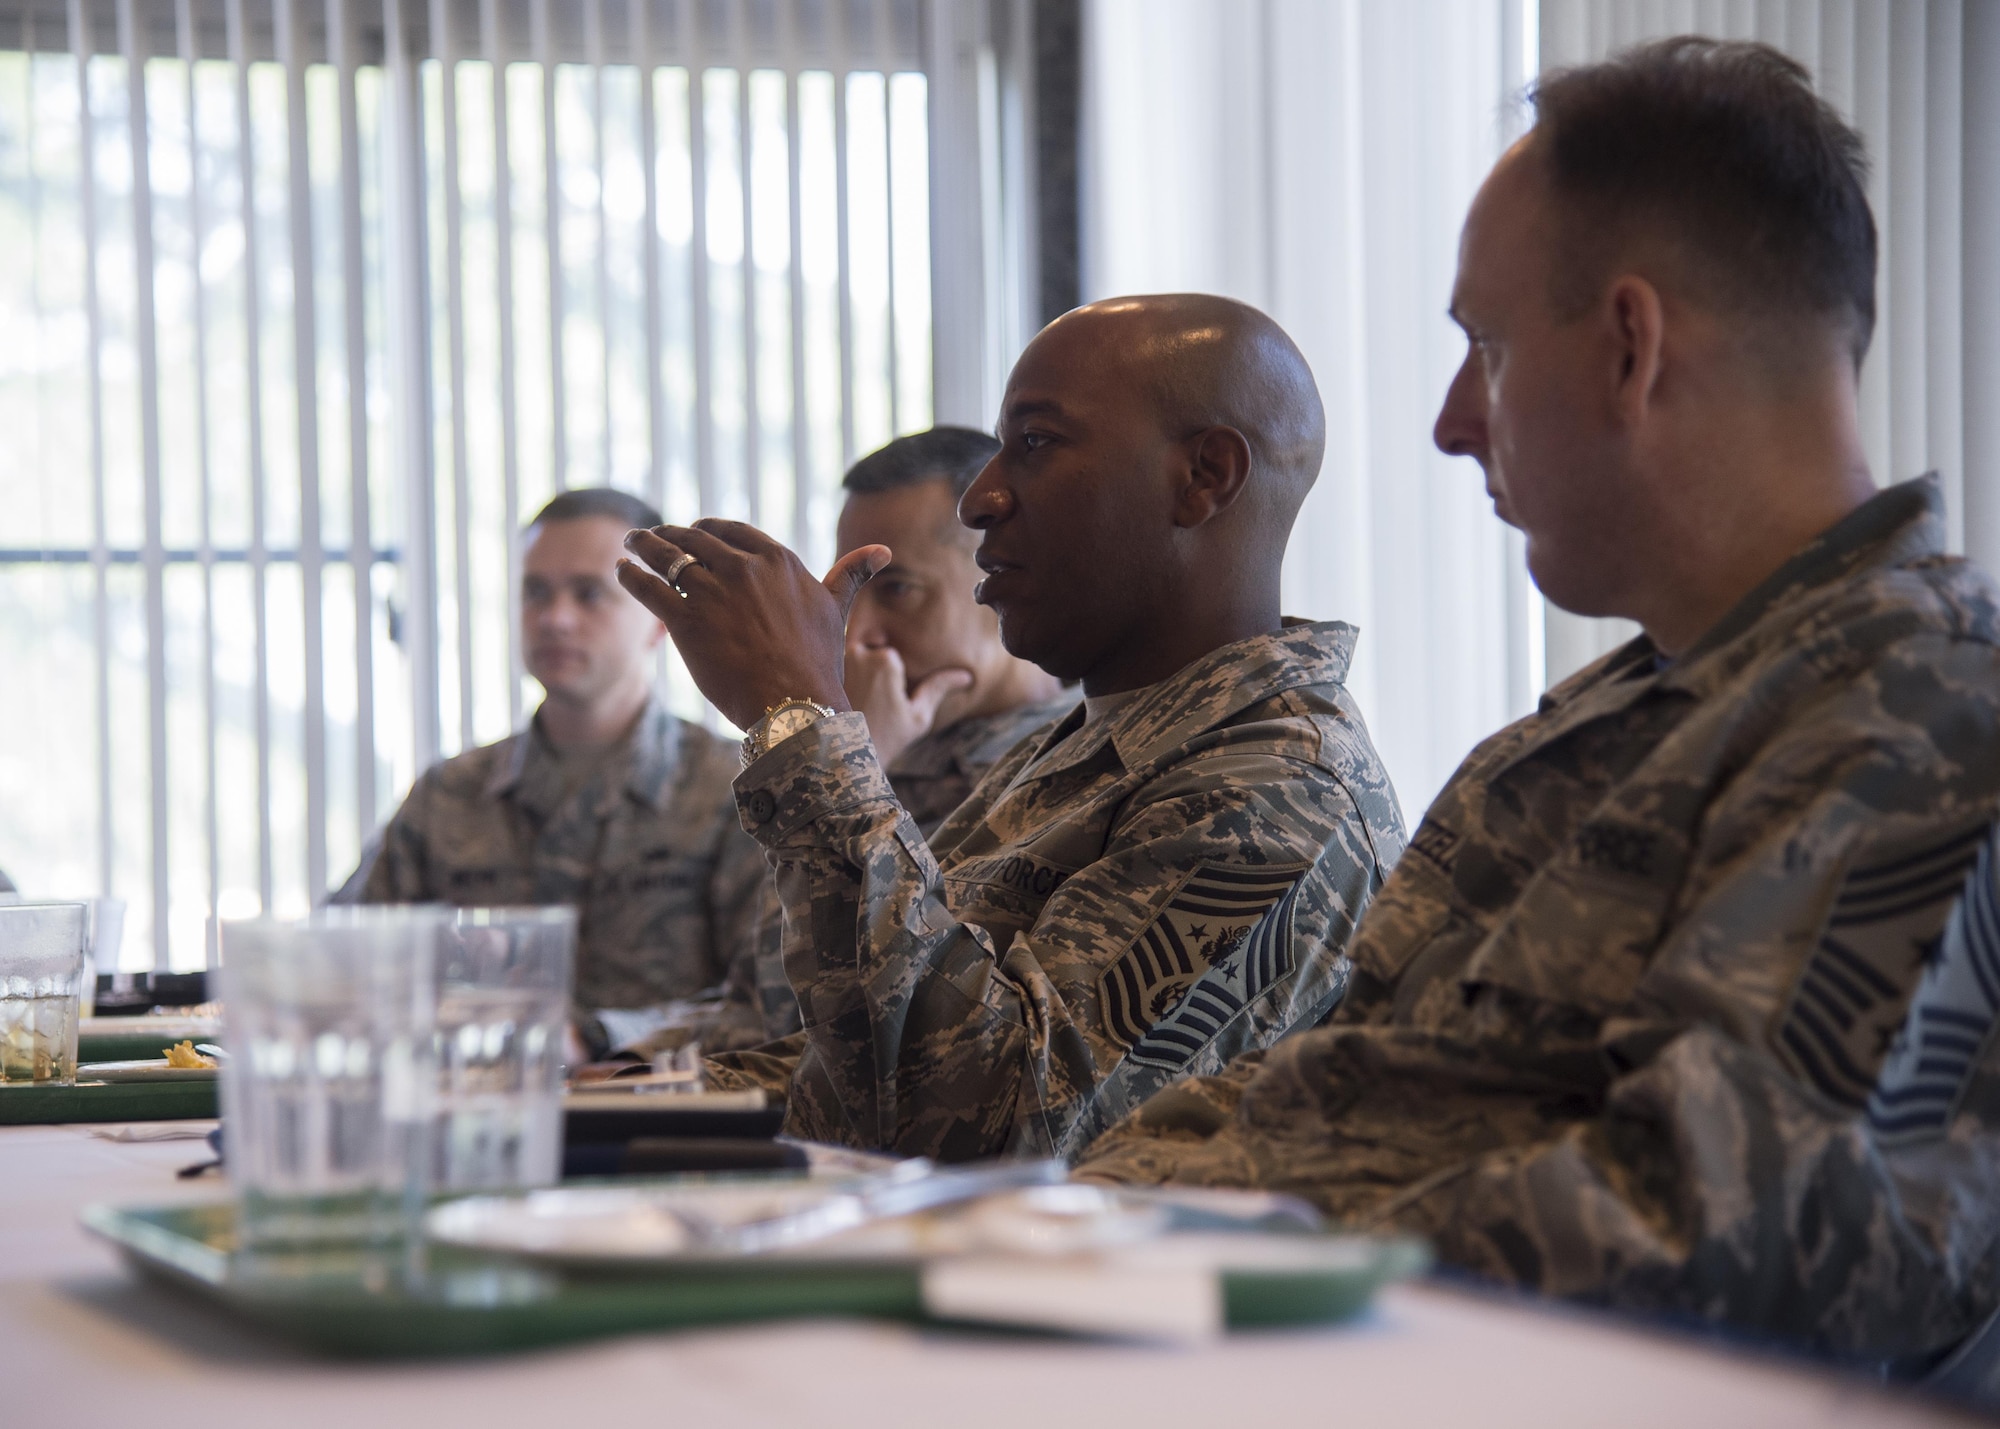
x,y
83,1345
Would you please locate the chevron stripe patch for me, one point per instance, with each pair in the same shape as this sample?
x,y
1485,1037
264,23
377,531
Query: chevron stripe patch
x,y
1224,937
1950,1020
1853,1001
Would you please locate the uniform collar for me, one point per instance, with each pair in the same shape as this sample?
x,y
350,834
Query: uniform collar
x,y
973,745
1898,525
1207,693
530,771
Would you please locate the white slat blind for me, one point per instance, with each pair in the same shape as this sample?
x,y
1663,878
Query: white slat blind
x,y
313,301
1340,142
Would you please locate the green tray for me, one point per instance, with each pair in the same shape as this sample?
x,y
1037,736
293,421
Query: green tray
x,y
107,1101
350,1303
135,1046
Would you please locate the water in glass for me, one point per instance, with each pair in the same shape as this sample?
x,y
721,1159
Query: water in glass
x,y
42,949
503,998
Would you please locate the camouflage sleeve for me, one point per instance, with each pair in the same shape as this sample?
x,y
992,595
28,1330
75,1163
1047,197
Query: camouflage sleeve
x,y
744,927
394,867
769,1067
755,977
1792,1134
927,1036
1733,1134
748,923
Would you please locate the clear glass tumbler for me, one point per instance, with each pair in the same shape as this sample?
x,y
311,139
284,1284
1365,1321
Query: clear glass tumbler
x,y
329,1091
42,950
503,999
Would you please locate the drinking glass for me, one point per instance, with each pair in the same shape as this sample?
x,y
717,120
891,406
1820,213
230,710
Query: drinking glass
x,y
329,1090
107,931
42,947
503,1001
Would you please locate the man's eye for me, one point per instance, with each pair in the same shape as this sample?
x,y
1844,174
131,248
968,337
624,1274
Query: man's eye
x,y
1034,440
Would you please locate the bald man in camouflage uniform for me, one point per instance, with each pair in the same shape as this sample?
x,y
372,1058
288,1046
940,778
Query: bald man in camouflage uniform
x,y
1662,1009
1163,879
926,668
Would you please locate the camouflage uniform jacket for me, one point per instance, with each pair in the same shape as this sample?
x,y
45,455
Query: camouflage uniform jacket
x,y
1624,1024
929,779
647,850
1118,903
939,772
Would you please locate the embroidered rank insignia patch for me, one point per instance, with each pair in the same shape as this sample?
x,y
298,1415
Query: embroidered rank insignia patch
x,y
1854,996
1224,937
1950,1020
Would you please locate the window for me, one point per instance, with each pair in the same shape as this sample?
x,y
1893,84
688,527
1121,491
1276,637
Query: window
x,y
308,307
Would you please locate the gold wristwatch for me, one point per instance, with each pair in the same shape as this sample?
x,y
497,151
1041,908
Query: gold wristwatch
x,y
780,722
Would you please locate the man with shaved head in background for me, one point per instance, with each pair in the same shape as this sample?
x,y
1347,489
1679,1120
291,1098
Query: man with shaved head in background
x,y
1159,881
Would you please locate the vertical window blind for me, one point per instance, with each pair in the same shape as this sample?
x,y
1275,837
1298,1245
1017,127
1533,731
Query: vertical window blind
x,y
310,303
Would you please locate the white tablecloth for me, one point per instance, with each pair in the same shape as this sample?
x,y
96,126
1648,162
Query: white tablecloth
x,y
83,1345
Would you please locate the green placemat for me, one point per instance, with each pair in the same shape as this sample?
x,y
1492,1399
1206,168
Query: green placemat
x,y
107,1101
138,1045
352,1303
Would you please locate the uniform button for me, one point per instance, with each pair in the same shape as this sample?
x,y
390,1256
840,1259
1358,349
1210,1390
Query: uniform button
x,y
761,806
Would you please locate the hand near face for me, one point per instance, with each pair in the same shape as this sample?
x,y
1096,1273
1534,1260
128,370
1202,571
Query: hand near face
x,y
753,625
898,716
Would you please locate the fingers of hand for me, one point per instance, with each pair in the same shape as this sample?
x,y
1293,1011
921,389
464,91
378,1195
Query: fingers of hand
x,y
682,570
853,571
710,550
936,687
652,548
890,659
739,534
873,675
651,591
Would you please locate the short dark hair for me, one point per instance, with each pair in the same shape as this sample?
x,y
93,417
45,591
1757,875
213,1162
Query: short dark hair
x,y
607,501
1723,149
953,454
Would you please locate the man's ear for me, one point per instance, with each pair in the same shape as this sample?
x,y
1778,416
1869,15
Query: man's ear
x,y
1218,470
1637,320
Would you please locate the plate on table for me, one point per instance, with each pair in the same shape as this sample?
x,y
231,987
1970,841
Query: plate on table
x,y
1062,1256
152,1070
694,1221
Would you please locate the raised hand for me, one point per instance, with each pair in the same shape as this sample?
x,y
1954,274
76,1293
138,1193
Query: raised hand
x,y
898,716
752,623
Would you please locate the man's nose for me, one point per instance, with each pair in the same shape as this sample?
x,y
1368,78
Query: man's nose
x,y
1461,423
557,610
986,502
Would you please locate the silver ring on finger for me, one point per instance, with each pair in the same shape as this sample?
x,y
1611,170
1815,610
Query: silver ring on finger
x,y
681,563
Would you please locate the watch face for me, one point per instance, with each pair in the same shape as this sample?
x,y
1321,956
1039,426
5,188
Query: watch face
x,y
788,722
